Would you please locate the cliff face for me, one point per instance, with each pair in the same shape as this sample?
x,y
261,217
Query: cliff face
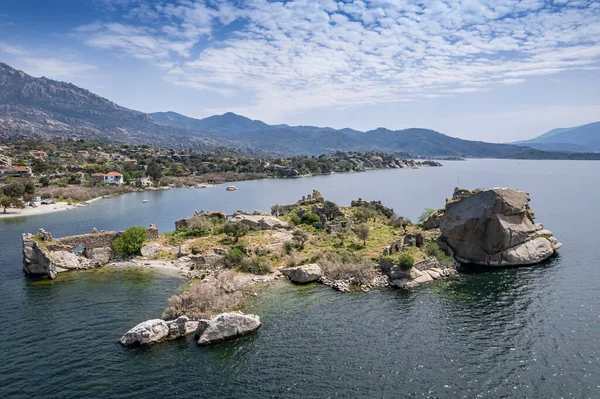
x,y
495,228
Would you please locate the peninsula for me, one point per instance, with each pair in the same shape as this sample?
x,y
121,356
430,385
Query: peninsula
x,y
359,247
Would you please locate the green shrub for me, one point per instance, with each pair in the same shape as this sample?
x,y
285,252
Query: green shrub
x,y
130,241
402,259
288,248
310,218
433,249
255,265
234,257
235,230
295,220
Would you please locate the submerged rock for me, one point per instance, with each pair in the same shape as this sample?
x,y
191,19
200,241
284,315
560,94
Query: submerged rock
x,y
145,333
226,326
303,274
495,228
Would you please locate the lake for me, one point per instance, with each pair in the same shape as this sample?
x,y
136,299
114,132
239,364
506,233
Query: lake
x,y
520,332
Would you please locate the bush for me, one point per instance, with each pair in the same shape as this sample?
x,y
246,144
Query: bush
x,y
364,214
200,223
130,241
345,265
310,218
235,230
234,257
204,300
255,265
300,236
401,222
288,248
433,249
405,261
295,220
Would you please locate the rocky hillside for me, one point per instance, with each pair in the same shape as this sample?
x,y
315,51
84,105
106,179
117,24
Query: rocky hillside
x,y
45,108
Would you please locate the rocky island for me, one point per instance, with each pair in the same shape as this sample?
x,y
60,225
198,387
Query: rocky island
x,y
313,240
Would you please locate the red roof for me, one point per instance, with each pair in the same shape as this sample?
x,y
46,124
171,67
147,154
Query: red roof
x,y
98,174
113,174
22,169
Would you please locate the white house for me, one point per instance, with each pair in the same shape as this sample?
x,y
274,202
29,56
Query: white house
x,y
145,181
113,178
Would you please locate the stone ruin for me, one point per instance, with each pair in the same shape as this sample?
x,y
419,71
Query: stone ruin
x,y
48,256
185,222
315,198
377,205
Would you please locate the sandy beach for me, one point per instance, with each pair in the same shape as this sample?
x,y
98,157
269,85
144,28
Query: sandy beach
x,y
41,209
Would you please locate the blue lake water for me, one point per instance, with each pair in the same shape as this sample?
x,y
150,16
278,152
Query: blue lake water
x,y
524,332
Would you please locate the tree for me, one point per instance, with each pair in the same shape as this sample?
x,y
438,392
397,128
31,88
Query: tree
x,y
300,236
276,210
235,230
363,231
45,181
426,213
7,202
363,214
155,171
130,242
343,234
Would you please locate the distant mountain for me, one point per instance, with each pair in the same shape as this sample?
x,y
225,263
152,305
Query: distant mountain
x,y
47,109
584,138
314,140
226,123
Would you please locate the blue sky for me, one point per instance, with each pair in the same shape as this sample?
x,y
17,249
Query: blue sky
x,y
493,70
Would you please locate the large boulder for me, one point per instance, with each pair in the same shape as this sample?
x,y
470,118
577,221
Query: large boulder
x,y
145,333
303,274
260,222
227,326
101,255
434,220
495,227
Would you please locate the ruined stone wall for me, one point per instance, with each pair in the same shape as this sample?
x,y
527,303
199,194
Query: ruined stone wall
x,y
43,255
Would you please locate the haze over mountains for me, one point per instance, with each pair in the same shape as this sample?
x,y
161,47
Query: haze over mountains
x,y
45,108
584,138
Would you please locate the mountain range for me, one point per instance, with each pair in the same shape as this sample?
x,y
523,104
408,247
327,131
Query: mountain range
x,y
584,138
47,109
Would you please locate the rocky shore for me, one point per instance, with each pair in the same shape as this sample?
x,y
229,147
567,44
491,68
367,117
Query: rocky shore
x,y
360,247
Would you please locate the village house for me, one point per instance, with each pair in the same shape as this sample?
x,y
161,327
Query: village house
x,y
113,178
83,153
21,172
80,175
145,181
38,154
130,162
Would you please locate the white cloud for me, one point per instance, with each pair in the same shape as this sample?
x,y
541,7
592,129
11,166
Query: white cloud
x,y
39,66
298,55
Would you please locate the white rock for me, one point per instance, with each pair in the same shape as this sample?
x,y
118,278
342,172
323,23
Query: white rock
x,y
303,274
145,333
227,326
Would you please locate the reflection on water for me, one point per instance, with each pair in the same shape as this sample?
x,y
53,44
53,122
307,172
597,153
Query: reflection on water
x,y
516,332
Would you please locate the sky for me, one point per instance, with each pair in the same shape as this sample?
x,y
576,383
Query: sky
x,y
490,70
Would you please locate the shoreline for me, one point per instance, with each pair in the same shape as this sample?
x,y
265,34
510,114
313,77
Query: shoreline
x,y
63,206
43,209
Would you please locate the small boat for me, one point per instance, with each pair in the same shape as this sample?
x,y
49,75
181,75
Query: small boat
x,y
231,188
144,201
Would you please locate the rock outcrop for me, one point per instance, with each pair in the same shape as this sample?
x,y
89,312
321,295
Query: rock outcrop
x,y
145,333
495,228
303,274
226,326
157,330
260,222
434,220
